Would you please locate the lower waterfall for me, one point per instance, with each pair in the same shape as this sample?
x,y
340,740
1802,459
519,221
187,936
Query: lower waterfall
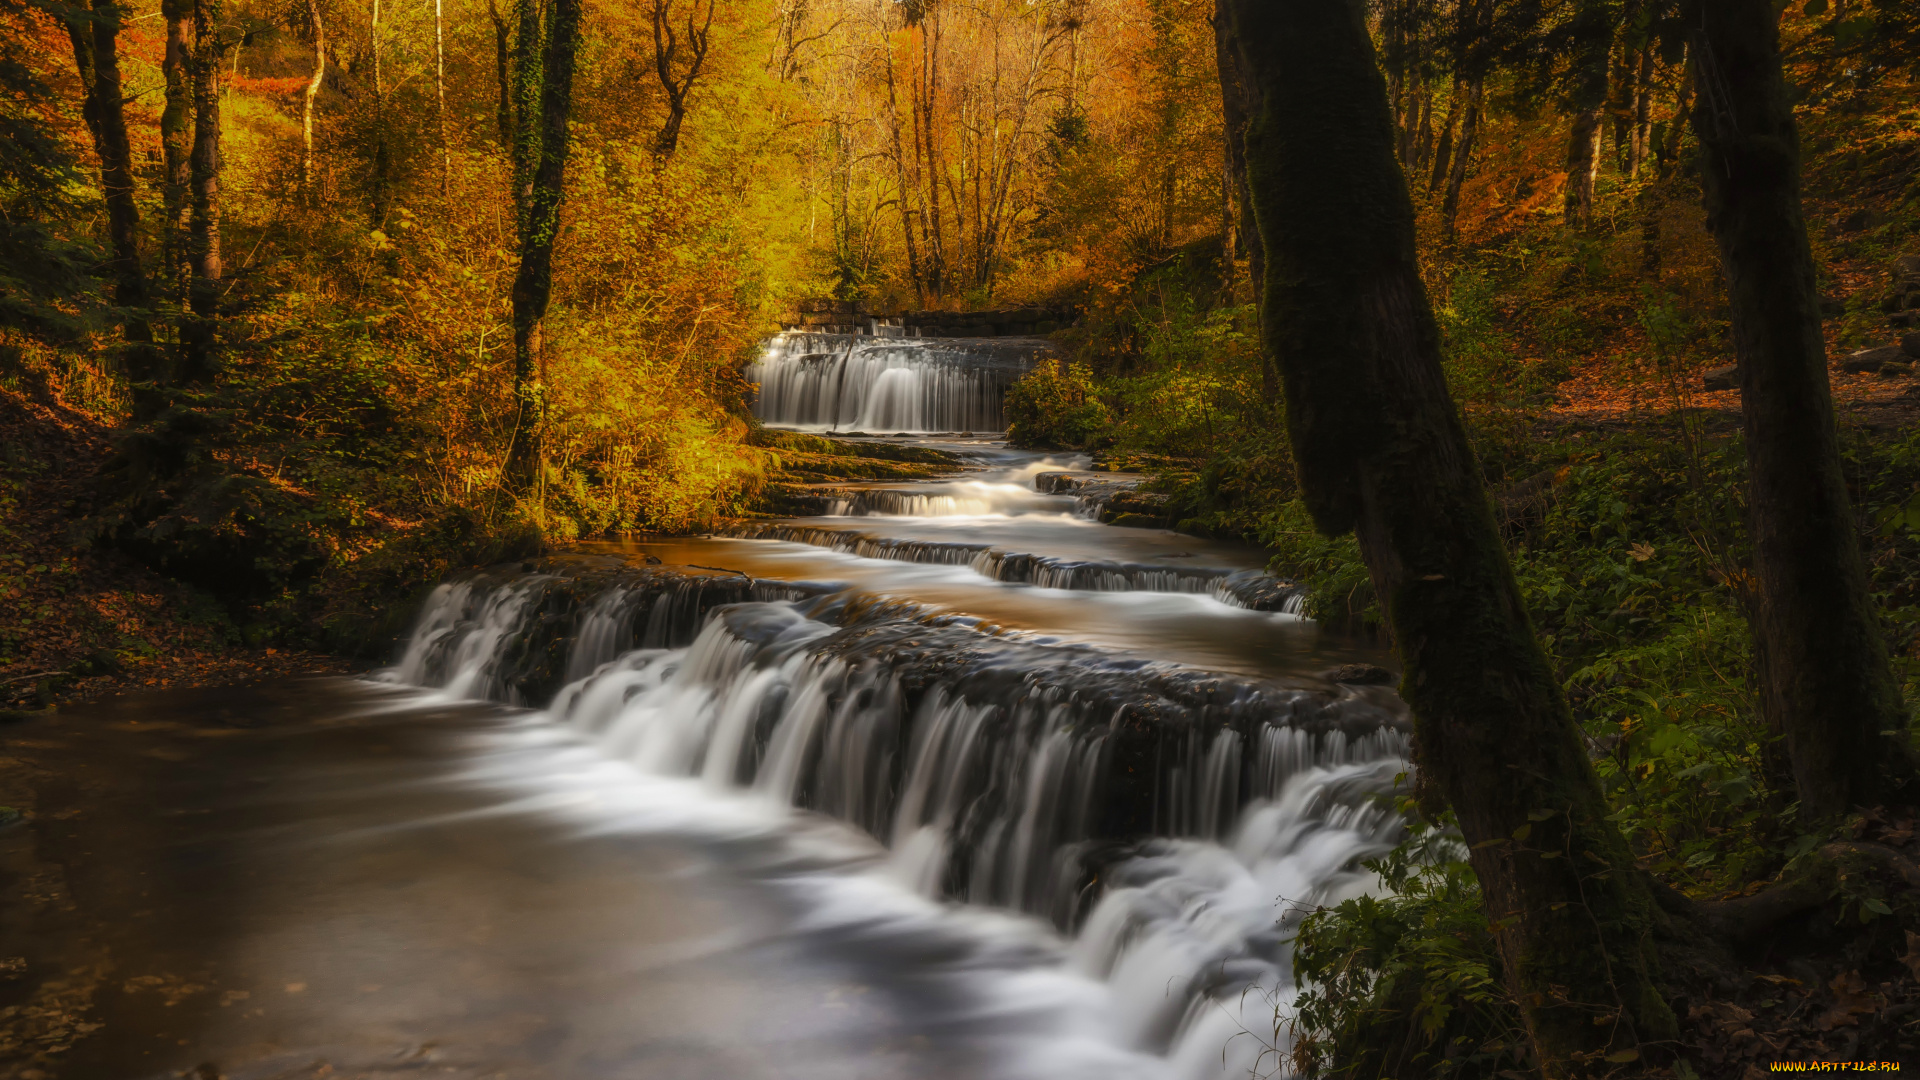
x,y
1170,824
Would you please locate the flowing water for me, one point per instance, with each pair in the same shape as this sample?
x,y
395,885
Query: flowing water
x,y
1080,781
951,781
853,382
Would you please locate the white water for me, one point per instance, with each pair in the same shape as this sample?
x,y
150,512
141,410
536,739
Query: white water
x,y
972,811
881,385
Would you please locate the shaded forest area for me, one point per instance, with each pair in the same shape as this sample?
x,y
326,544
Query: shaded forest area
x,y
303,305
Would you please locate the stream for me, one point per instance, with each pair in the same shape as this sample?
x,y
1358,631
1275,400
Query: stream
x,y
953,780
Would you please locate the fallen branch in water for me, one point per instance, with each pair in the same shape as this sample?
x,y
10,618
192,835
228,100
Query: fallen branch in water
x,y
724,570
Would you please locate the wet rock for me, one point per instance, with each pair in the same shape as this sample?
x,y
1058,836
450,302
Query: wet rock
x,y
1259,591
1136,509
1723,378
1871,361
1360,675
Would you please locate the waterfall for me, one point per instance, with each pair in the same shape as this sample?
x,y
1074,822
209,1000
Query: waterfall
x,y
1174,823
883,385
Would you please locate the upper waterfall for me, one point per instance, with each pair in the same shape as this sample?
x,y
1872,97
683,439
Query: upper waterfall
x,y
856,382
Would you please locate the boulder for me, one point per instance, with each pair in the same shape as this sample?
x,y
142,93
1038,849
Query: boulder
x,y
1910,344
1360,675
1723,378
1872,360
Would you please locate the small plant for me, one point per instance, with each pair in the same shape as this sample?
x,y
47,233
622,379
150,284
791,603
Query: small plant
x,y
1405,983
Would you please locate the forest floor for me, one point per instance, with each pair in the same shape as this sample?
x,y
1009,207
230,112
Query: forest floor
x,y
81,621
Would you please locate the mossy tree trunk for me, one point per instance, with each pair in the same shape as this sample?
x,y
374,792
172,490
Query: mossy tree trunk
x,y
1381,451
1825,682
543,83
203,198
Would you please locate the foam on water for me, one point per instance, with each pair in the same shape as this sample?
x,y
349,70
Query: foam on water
x,y
976,817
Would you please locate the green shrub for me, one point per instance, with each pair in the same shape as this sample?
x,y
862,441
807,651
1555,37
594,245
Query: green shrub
x,y
1055,406
1406,983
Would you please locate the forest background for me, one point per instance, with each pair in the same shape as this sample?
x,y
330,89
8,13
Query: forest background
x,y
323,383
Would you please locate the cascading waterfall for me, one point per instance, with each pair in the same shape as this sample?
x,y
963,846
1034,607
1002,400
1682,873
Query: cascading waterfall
x,y
1174,822
1249,589
852,382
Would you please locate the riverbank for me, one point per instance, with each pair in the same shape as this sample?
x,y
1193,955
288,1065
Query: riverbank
x,y
79,621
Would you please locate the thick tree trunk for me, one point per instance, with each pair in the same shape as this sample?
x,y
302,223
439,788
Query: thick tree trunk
x,y
1824,678
546,108
203,222
306,103
1381,451
176,142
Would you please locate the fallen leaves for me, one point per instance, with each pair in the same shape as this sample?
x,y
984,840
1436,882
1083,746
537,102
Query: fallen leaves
x,y
1851,1000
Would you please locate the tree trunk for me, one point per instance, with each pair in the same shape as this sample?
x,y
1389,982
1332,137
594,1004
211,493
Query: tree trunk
x,y
546,107
1457,178
1381,451
503,78
203,222
904,199
1443,154
440,95
1592,32
1824,679
1237,106
176,142
380,186
1583,166
666,47
97,57
306,105
1665,156
1642,112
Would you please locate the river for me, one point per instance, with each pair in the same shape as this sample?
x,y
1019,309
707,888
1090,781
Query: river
x,y
954,781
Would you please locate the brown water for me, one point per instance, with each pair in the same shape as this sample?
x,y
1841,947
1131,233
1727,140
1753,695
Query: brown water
x,y
284,881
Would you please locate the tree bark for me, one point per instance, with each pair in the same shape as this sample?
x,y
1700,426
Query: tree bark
x,y
1642,112
904,199
203,223
541,145
1381,451
502,72
1236,106
666,47
97,57
1583,166
1825,683
176,141
1587,97
1462,154
380,187
1443,153
440,95
312,91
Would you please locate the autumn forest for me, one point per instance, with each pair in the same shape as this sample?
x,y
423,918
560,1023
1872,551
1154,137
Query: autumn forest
x,y
1161,538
